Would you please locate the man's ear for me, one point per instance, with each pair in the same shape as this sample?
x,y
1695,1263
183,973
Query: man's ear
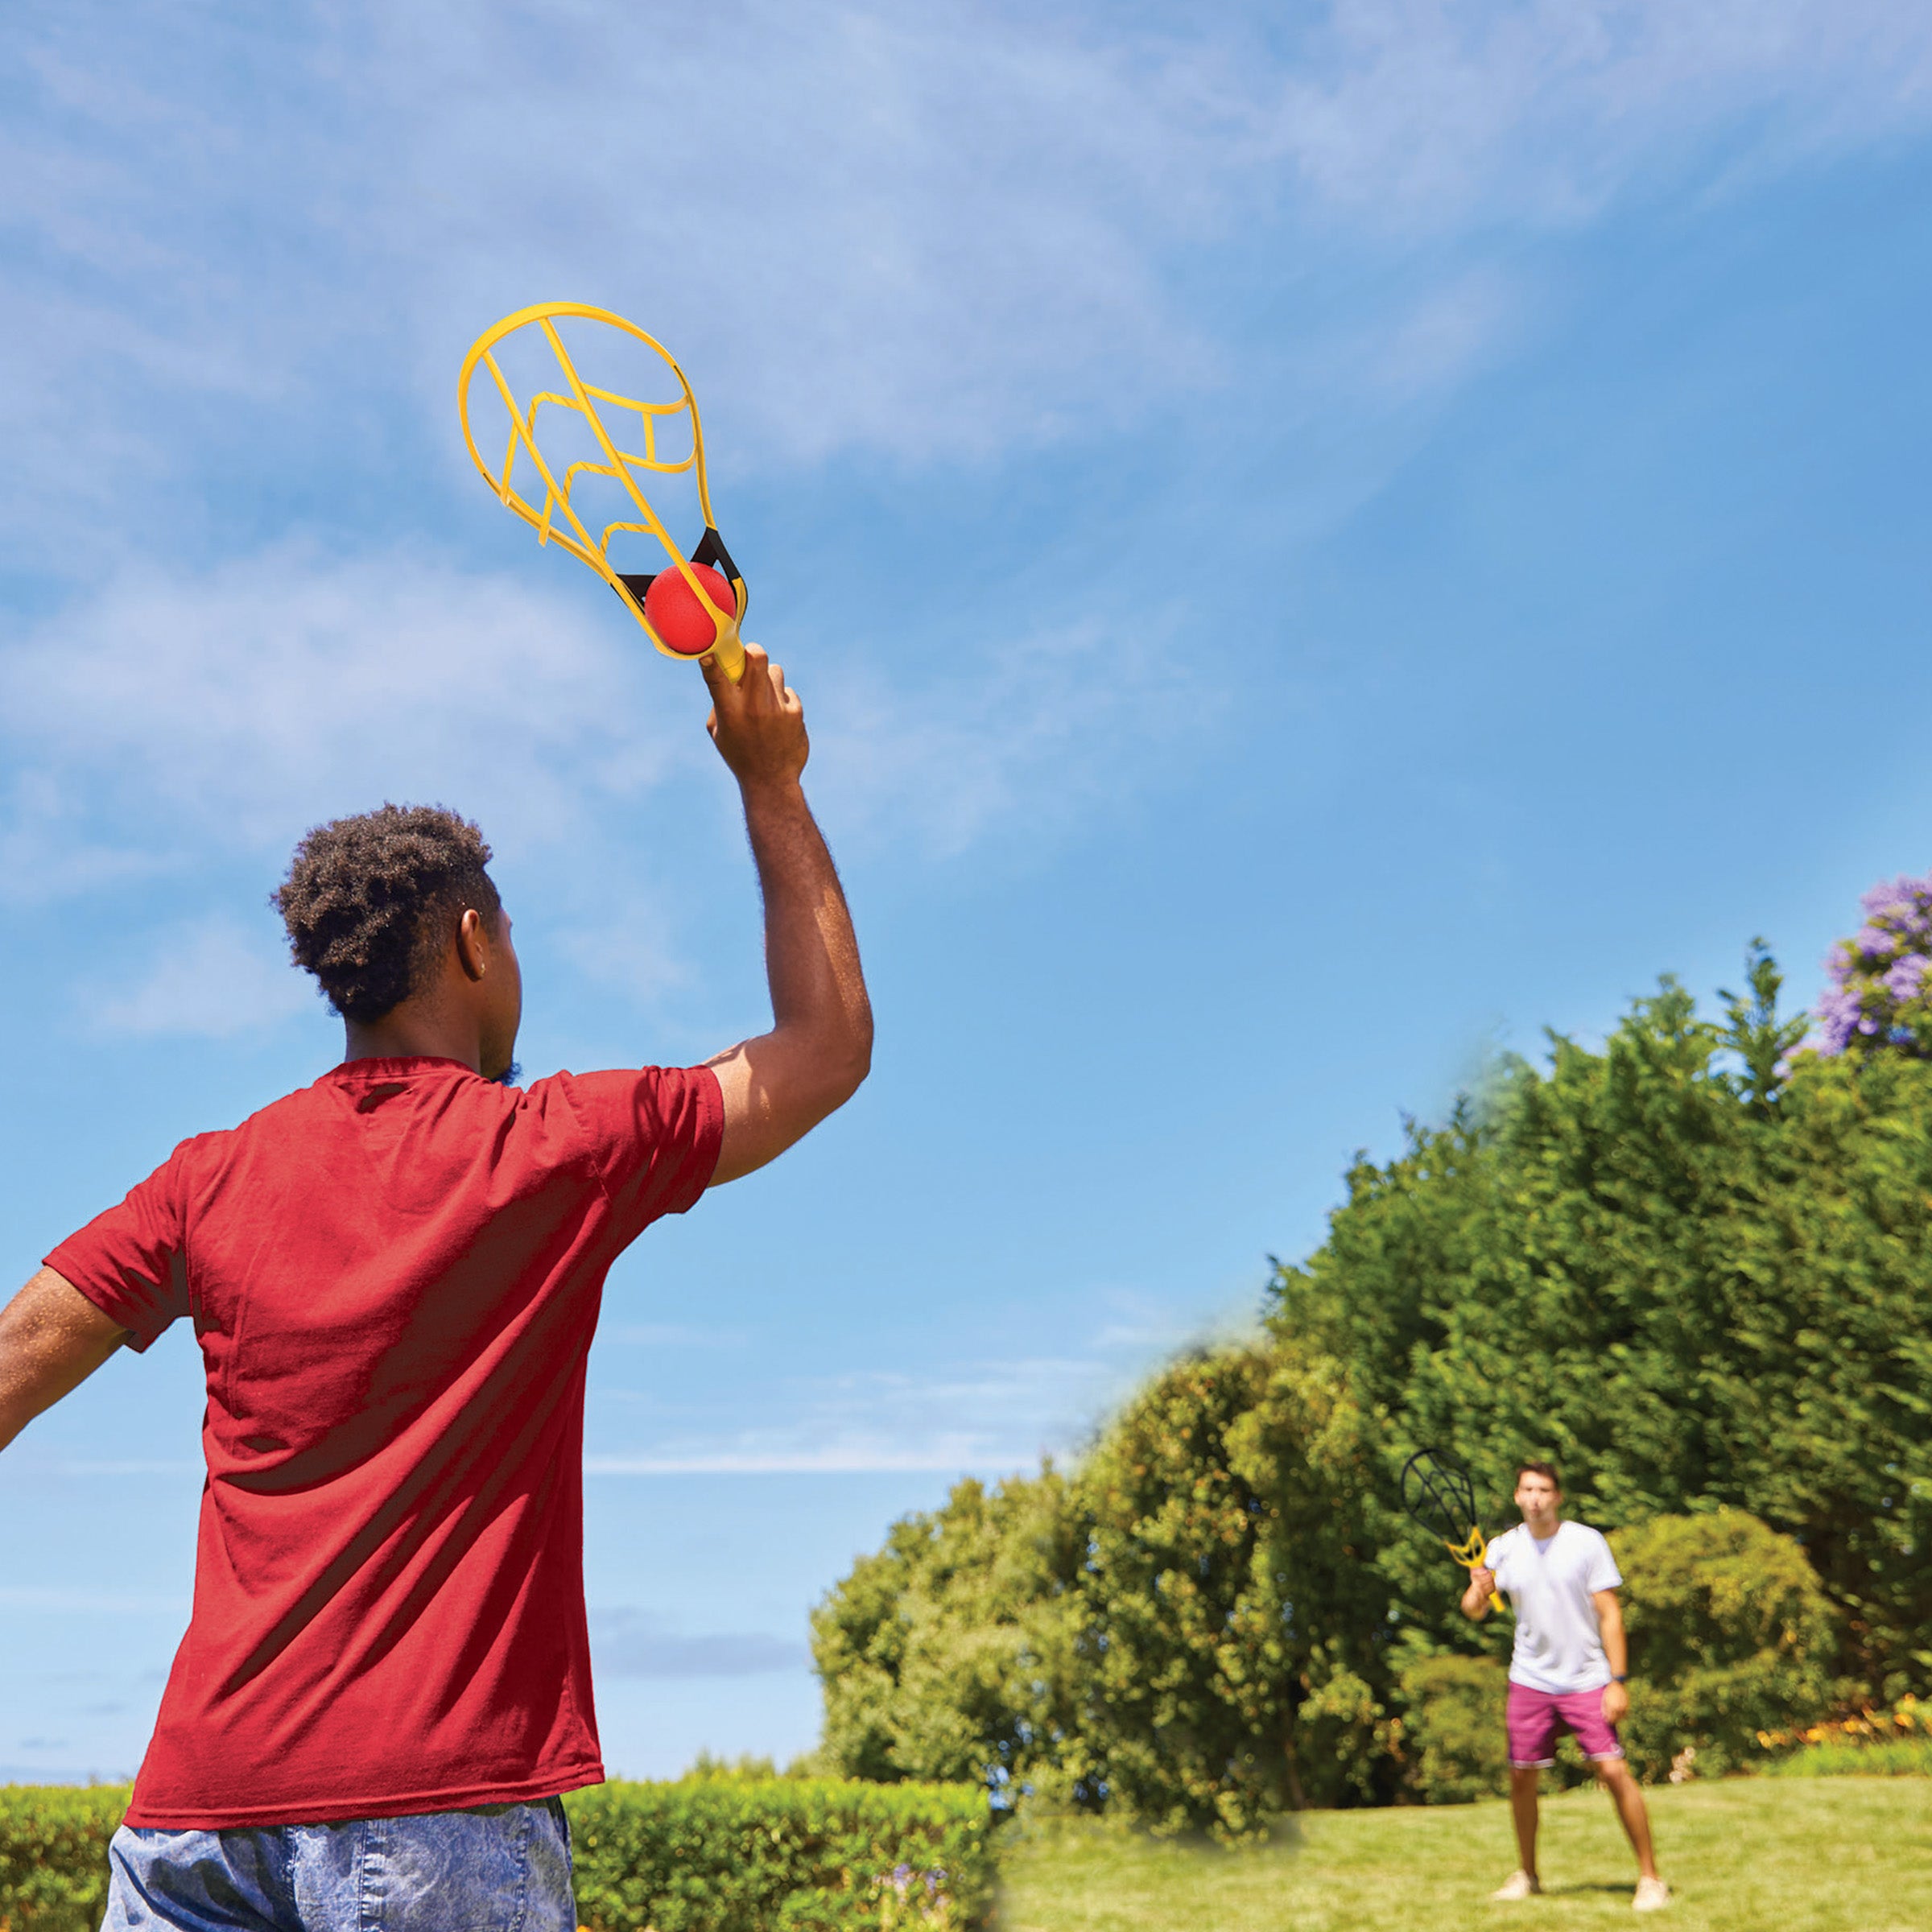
x,y
472,944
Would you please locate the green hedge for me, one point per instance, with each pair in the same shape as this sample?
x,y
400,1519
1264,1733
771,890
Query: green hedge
x,y
786,1854
1889,1757
789,1855
53,1855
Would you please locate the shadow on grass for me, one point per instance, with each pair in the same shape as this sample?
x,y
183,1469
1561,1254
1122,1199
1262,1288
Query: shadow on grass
x,y
1030,1826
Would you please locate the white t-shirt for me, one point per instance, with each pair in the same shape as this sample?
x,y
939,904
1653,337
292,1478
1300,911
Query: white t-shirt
x,y
1550,1583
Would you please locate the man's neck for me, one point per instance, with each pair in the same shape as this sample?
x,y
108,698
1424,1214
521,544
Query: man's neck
x,y
412,1031
1543,1528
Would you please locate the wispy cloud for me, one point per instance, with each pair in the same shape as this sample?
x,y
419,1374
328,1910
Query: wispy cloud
x,y
176,716
983,1418
173,713
1036,731
209,978
627,1642
1403,115
936,234
119,1602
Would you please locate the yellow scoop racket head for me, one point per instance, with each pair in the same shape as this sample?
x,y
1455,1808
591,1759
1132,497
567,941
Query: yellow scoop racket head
x,y
594,431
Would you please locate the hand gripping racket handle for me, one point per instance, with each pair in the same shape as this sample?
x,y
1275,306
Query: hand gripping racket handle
x,y
729,651
1473,1555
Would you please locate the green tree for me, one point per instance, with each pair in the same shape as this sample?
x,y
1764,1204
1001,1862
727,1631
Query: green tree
x,y
1691,1266
948,1654
1686,1280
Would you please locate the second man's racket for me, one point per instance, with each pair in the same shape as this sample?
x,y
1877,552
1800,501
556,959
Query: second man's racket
x,y
1437,1492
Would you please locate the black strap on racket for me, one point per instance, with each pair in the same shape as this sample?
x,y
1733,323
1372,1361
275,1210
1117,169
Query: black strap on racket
x,y
710,550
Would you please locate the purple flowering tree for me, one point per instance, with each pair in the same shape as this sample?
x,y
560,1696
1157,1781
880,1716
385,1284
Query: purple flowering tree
x,y
1880,989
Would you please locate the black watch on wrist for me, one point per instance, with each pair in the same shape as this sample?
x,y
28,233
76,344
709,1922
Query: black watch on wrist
x,y
1616,1679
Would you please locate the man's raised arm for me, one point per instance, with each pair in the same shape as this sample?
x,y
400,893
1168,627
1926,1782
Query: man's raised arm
x,y
52,1338
779,1085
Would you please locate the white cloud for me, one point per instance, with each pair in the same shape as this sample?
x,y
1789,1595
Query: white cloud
x,y
207,978
174,717
627,1642
1033,731
989,1416
1430,115
229,711
936,234
119,1603
929,234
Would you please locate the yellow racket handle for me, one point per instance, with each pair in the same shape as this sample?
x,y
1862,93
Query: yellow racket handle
x,y
1472,1554
729,651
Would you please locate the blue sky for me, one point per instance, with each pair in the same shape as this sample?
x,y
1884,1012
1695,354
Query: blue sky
x,y
1316,542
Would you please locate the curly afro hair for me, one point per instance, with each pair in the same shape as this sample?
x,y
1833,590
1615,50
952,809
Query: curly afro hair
x,y
371,902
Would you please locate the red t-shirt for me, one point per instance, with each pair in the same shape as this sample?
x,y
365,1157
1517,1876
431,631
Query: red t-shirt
x,y
394,1275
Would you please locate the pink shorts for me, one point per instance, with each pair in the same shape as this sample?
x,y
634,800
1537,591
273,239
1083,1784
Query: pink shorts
x,y
1534,1717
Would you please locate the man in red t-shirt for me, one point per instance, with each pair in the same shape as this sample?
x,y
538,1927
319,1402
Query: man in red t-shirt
x,y
394,1275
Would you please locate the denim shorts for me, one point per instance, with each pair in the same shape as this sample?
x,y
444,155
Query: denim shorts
x,y
497,1869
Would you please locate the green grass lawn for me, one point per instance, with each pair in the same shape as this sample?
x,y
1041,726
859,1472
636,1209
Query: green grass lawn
x,y
1744,1854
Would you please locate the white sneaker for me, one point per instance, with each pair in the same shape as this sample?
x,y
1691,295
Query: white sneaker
x,y
1520,1886
1653,1895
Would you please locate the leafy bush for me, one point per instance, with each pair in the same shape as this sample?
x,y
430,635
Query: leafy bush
x,y
53,1855
1894,1743
947,1655
1453,1733
1231,1625
726,1854
1884,1757
783,1855
1686,1278
1191,1633
1730,1636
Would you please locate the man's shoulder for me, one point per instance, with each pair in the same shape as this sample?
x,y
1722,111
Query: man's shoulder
x,y
1587,1552
1582,1535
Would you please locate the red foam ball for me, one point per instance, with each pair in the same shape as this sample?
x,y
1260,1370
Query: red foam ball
x,y
676,613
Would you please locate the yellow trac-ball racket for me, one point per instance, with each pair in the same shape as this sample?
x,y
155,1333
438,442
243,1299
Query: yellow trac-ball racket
x,y
1437,1492
697,604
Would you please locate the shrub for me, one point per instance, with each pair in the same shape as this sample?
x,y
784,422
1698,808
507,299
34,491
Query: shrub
x,y
1730,1635
53,1855
1885,1758
946,1656
1456,1745
788,1855
1231,1626
1867,1743
723,1855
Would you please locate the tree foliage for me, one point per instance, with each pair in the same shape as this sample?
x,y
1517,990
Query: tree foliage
x,y
1685,1285
1692,1266
1456,1750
